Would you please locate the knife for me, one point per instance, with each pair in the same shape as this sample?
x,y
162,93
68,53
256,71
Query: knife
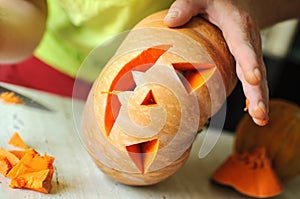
x,y
27,100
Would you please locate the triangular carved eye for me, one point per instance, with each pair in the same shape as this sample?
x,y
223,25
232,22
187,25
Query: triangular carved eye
x,y
193,75
149,99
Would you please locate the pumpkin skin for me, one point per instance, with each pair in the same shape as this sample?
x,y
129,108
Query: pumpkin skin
x,y
280,137
158,90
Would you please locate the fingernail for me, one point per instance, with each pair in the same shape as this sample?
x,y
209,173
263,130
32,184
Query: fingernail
x,y
261,122
172,14
262,107
257,74
265,121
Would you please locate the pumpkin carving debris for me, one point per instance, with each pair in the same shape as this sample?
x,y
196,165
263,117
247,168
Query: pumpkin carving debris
x,y
26,168
11,98
17,141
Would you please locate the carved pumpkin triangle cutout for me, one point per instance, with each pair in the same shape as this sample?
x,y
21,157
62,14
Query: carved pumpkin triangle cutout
x,y
149,99
193,75
143,154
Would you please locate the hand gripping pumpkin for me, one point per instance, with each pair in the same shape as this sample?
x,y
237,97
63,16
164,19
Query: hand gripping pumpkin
x,y
158,90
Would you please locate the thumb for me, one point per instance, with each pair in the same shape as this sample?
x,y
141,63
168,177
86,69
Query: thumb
x,y
180,12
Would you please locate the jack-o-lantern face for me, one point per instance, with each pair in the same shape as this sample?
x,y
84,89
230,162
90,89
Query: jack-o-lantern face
x,y
148,103
151,105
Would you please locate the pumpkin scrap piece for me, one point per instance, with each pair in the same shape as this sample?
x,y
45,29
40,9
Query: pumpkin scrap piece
x,y
250,173
17,141
33,172
5,165
32,162
247,102
38,181
13,160
27,168
20,153
11,97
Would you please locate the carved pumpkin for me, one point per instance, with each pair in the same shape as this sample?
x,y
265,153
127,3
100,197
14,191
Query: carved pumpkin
x,y
154,95
280,137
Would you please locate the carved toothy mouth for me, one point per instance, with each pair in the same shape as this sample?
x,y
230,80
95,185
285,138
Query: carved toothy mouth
x,y
143,154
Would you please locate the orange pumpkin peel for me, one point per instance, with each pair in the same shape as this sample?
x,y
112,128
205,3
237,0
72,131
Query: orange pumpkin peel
x,y
26,168
250,173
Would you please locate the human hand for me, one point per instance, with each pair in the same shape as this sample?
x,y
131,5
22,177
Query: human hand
x,y
238,24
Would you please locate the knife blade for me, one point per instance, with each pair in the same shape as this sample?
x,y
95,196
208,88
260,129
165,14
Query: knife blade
x,y
27,100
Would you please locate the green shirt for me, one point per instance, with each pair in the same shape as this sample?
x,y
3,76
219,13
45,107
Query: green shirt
x,y
75,27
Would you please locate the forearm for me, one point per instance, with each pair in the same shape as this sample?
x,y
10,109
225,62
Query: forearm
x,y
269,12
22,24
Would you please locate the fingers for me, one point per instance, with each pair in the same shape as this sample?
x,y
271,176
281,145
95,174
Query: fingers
x,y
244,42
258,97
181,11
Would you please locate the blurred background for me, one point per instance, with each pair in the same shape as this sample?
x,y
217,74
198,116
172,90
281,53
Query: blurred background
x,y
281,48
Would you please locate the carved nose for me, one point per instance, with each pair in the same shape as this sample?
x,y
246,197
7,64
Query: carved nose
x,y
158,116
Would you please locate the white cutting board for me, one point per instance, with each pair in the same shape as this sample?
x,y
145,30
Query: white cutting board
x,y
76,176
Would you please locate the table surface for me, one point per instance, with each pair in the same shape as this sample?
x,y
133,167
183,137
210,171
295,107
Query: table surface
x,y
76,175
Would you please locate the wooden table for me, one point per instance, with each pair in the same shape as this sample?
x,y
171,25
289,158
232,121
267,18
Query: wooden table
x,y
76,175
